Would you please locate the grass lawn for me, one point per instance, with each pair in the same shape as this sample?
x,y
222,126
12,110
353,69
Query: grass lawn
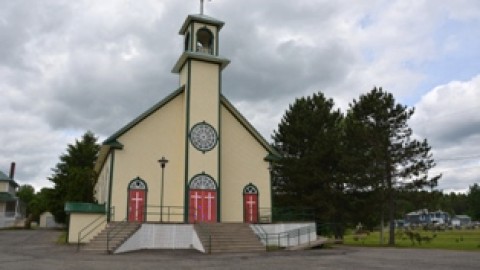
x,y
448,239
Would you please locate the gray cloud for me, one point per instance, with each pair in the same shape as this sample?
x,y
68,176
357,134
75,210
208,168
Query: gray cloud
x,y
67,67
447,117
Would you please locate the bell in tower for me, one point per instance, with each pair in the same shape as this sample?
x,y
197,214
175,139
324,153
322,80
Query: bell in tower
x,y
201,35
204,41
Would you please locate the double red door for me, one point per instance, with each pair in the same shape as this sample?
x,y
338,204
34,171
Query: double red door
x,y
136,205
203,205
250,208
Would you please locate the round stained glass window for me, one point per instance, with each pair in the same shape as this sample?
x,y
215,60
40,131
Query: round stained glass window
x,y
203,136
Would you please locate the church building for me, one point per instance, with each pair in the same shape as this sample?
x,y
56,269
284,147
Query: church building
x,y
192,157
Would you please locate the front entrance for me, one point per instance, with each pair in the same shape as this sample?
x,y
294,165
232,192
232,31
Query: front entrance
x,y
137,196
202,199
250,204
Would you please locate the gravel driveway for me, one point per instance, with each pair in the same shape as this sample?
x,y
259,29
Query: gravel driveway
x,y
36,250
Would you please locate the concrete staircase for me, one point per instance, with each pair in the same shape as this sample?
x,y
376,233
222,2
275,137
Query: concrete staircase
x,y
228,237
117,232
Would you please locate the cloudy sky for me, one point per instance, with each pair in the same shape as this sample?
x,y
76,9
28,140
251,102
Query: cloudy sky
x,y
71,66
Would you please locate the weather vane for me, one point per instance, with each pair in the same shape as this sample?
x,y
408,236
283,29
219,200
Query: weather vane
x,y
201,6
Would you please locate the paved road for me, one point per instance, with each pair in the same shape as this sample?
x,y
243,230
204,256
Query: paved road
x,y
36,250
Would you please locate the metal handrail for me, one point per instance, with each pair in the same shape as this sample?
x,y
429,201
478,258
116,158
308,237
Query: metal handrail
x,y
205,231
291,213
290,234
306,230
202,230
119,225
80,237
171,211
262,234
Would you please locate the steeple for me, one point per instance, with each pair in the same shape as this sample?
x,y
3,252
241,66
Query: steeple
x,y
200,71
201,41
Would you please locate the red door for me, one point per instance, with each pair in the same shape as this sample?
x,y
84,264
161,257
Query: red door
x,y
250,206
203,206
136,205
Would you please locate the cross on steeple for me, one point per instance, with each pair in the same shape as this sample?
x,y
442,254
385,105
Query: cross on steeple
x,y
201,6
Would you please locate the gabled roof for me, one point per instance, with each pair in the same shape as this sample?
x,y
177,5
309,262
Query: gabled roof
x,y
5,178
273,153
111,142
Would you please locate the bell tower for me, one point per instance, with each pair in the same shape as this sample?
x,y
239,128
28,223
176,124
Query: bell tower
x,y
200,69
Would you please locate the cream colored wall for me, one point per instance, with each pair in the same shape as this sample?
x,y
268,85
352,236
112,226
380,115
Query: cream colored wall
x,y
101,187
204,98
161,134
78,221
205,93
184,74
4,186
242,163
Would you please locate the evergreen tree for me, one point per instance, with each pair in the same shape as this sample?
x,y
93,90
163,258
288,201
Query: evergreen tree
x,y
309,137
385,152
474,202
73,176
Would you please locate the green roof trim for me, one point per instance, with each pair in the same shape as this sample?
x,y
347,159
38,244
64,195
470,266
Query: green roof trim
x,y
273,153
202,19
272,158
114,144
112,140
223,62
5,178
78,207
7,197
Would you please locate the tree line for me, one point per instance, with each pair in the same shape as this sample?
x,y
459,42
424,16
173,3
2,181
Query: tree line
x,y
363,165
350,167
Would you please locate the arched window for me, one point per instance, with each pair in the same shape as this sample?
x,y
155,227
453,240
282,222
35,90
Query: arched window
x,y
250,189
204,41
202,181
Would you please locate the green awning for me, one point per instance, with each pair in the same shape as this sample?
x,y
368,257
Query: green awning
x,y
78,207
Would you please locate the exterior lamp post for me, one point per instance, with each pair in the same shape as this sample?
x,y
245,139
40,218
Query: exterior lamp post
x,y
163,161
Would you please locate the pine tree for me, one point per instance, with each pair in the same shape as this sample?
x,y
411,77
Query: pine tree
x,y
387,155
473,200
73,176
308,137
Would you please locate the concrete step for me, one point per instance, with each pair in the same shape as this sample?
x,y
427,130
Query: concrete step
x,y
228,237
115,233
